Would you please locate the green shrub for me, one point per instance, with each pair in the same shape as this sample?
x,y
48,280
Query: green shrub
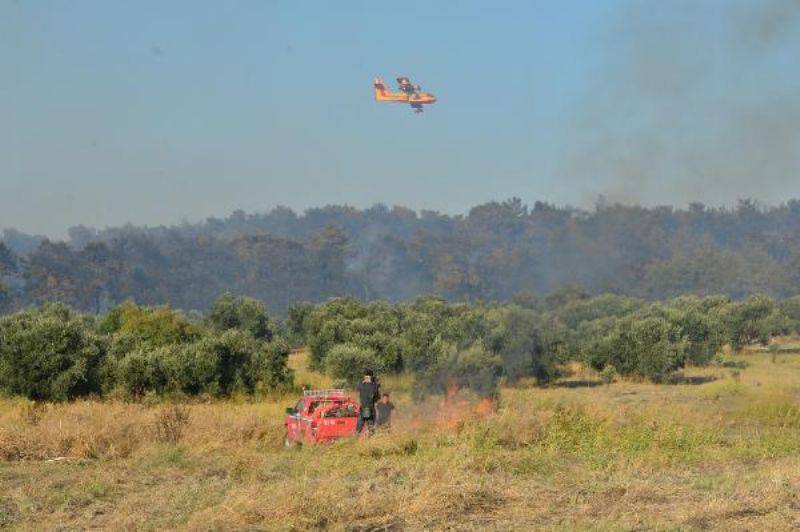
x,y
233,361
242,313
348,362
650,347
150,326
755,320
527,345
49,354
269,365
608,375
153,370
791,309
329,324
662,349
296,324
216,365
420,331
576,311
703,331
475,368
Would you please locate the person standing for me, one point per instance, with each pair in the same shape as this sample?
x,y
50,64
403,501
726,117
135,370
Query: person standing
x,y
368,395
384,409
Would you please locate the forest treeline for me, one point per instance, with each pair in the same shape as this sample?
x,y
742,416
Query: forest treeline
x,y
53,352
496,251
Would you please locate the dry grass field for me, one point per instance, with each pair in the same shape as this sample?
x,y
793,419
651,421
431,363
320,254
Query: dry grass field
x,y
720,449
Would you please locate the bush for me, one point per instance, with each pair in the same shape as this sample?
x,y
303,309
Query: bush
x,y
348,362
526,345
475,368
576,311
703,330
170,423
662,349
143,348
231,362
296,324
377,327
242,313
608,375
704,333
148,326
650,347
49,354
270,366
420,332
755,320
147,371
55,354
329,324
791,309
216,365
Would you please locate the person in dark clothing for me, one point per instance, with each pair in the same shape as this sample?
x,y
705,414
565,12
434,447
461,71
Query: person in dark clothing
x,y
368,395
384,409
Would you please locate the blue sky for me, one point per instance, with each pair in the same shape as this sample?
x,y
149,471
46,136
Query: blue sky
x,y
155,112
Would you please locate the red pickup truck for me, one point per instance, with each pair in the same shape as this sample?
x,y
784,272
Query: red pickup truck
x,y
321,416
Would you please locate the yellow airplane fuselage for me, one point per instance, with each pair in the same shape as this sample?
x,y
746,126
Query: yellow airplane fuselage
x,y
382,94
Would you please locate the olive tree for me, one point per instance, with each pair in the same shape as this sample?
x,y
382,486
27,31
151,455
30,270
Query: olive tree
x,y
49,354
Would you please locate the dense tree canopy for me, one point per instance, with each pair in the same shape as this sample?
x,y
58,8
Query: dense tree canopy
x,y
495,252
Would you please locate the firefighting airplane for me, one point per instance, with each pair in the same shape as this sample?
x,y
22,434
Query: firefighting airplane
x,y
410,94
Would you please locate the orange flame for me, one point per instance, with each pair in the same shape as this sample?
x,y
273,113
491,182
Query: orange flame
x,y
450,412
454,411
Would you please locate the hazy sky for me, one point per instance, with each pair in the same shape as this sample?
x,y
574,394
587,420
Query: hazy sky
x,y
153,112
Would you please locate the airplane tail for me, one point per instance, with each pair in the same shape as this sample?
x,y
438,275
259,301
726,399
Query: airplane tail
x,y
380,89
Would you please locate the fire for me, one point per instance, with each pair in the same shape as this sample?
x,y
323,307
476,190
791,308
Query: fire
x,y
455,410
484,407
450,412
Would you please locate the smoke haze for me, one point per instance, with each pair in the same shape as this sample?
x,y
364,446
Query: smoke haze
x,y
693,101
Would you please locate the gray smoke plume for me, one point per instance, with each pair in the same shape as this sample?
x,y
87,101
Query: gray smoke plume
x,y
694,101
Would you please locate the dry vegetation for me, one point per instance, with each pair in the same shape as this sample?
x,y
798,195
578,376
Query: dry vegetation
x,y
718,450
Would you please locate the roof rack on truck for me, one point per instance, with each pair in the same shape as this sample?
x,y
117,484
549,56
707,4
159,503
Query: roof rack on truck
x,y
324,393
